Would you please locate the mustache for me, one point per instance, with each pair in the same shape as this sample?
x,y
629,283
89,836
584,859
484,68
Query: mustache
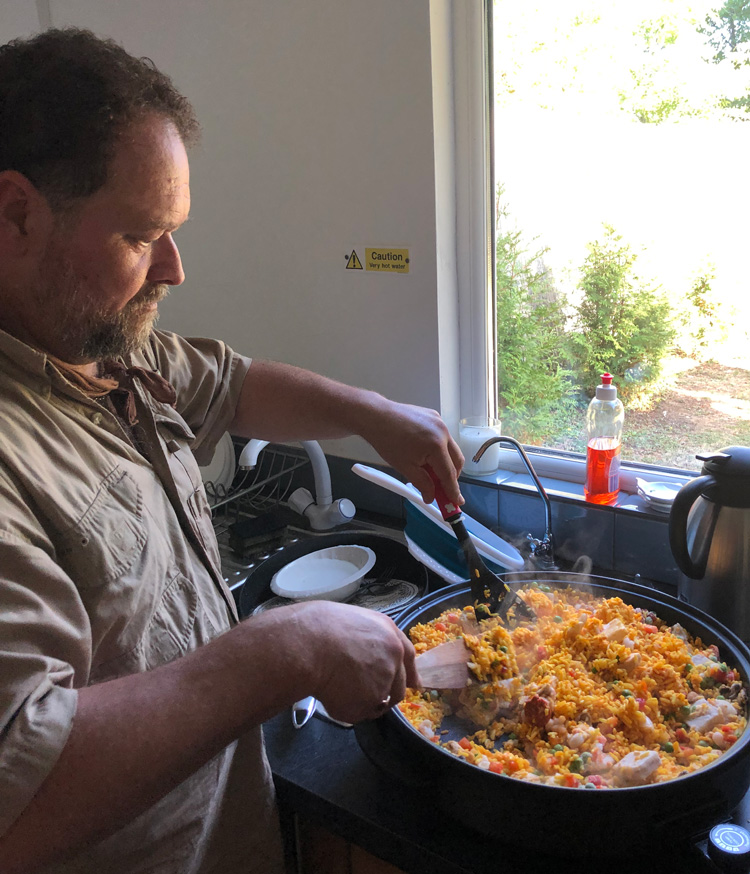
x,y
149,294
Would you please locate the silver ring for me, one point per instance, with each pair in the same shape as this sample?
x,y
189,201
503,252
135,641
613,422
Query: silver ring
x,y
386,701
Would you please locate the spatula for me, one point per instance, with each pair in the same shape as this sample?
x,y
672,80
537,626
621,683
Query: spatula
x,y
486,587
445,666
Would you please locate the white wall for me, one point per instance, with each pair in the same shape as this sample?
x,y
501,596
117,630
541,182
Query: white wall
x,y
318,139
18,18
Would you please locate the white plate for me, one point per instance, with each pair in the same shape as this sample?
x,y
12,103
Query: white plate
x,y
221,469
332,574
658,492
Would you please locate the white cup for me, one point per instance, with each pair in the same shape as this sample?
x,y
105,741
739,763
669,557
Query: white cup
x,y
473,433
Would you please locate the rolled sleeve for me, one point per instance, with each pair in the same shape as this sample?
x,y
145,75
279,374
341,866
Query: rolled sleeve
x,y
45,647
32,745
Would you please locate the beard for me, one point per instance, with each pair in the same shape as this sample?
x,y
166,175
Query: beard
x,y
86,330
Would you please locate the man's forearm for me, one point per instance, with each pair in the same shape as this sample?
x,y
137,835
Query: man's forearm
x,y
280,402
137,737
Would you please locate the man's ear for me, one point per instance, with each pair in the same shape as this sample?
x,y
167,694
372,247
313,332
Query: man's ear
x,y
25,215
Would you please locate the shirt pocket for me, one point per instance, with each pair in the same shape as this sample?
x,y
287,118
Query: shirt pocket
x,y
107,540
179,624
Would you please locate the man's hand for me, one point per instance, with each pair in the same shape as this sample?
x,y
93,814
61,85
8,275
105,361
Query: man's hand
x,y
410,438
359,663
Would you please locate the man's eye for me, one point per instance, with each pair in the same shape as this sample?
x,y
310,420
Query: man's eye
x,y
143,242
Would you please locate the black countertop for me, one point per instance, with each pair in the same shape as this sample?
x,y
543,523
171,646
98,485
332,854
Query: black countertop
x,y
322,773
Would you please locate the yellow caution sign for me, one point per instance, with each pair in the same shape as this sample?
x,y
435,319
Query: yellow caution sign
x,y
387,260
353,262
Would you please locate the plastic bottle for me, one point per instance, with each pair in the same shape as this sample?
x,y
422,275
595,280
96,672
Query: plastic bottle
x,y
604,421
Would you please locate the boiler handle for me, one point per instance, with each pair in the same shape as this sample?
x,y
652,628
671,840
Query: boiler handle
x,y
678,522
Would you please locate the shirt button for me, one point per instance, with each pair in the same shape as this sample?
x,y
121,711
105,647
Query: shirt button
x,y
96,418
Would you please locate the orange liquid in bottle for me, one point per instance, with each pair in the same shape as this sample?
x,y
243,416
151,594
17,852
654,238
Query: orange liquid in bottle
x,y
602,471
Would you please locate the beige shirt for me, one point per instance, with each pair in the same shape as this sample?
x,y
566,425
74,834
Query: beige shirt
x,y
109,566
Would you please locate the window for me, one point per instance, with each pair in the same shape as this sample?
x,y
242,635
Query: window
x,y
621,133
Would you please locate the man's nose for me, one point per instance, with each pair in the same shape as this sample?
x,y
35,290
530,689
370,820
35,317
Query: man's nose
x,y
166,266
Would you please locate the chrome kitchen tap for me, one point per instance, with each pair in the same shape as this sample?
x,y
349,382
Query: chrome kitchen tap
x,y
542,551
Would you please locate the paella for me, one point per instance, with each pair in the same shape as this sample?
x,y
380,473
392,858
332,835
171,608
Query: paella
x,y
593,693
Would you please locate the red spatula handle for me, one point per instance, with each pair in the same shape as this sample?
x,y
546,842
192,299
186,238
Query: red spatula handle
x,y
448,509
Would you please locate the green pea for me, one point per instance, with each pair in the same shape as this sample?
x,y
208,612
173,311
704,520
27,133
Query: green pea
x,y
557,748
576,765
557,618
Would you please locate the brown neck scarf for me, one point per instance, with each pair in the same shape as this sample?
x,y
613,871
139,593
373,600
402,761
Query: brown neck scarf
x,y
118,380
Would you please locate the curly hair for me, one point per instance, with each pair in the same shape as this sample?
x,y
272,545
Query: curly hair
x,y
66,95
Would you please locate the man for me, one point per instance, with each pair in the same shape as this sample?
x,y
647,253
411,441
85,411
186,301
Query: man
x,y
131,700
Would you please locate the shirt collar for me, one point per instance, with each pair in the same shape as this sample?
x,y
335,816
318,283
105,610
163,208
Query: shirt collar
x,y
21,360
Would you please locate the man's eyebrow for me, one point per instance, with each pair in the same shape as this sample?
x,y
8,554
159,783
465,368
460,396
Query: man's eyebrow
x,y
149,225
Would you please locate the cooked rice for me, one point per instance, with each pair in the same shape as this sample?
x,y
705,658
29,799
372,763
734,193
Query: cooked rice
x,y
593,694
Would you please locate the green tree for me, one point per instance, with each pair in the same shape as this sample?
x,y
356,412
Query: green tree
x,y
702,319
531,338
623,323
728,32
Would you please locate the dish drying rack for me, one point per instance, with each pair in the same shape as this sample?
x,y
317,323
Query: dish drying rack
x,y
257,490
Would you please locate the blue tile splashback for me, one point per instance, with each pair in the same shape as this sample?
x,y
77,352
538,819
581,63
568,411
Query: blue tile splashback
x,y
617,541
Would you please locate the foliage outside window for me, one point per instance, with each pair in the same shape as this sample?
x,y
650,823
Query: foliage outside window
x,y
622,133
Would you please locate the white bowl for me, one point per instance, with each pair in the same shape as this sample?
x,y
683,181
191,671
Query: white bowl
x,y
332,574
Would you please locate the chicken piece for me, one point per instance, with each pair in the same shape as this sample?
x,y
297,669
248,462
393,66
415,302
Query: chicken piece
x,y
614,630
580,734
709,714
636,768
557,725
679,631
600,762
426,728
